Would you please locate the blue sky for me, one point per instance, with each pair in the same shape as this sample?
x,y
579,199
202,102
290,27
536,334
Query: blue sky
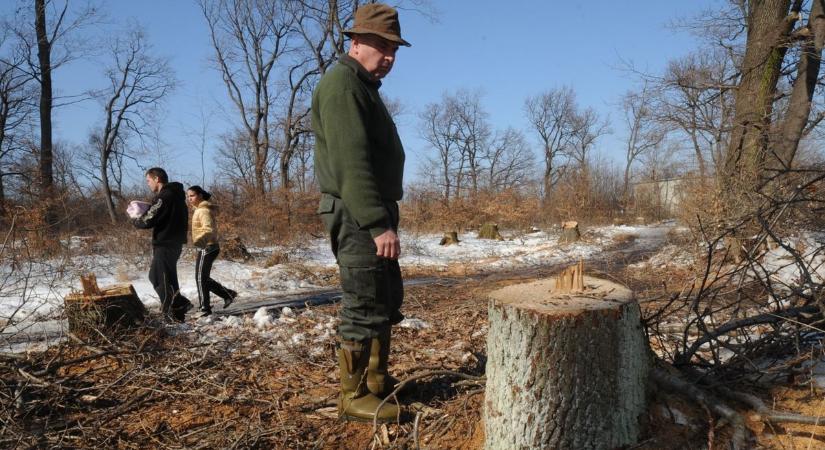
x,y
507,49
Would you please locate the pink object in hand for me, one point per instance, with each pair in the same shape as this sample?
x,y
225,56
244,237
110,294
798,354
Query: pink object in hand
x,y
137,208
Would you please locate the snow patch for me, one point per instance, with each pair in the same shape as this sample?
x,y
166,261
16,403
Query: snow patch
x,y
415,324
262,319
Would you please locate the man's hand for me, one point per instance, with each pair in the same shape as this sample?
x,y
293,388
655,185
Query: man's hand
x,y
388,245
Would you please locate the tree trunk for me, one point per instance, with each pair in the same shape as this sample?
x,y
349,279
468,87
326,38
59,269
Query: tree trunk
x,y
799,105
548,181
107,190
2,197
768,28
46,159
564,370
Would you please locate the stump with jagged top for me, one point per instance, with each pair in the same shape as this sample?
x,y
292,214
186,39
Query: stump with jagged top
x,y
95,309
570,232
567,365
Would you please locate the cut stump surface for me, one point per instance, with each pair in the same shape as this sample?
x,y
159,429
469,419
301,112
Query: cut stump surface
x,y
564,370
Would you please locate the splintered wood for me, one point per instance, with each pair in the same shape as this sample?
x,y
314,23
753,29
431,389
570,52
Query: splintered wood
x,y
89,284
571,279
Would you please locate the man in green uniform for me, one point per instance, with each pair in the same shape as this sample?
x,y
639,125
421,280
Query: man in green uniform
x,y
359,165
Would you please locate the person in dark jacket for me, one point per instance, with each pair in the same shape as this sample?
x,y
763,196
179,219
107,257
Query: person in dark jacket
x,y
168,218
359,165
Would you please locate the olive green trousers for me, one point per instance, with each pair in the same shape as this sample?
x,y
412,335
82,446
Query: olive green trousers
x,y
372,286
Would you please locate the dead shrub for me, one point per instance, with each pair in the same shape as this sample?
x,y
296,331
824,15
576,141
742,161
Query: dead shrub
x,y
425,210
625,238
276,258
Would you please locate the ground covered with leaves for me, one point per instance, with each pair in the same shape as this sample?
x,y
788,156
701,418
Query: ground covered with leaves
x,y
271,381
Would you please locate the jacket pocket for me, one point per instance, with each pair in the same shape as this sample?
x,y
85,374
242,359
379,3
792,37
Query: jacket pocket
x,y
326,205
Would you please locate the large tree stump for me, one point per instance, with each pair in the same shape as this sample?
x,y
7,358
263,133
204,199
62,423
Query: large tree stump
x,y
94,308
564,370
490,231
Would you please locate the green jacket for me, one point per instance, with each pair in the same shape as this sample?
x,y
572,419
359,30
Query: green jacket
x,y
358,154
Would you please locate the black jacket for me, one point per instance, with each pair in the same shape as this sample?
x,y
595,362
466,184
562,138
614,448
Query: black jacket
x,y
168,216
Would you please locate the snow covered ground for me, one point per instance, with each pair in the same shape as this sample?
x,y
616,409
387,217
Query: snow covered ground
x,y
35,290
33,293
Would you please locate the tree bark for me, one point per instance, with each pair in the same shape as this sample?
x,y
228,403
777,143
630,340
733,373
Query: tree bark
x,y
799,105
564,371
768,25
107,189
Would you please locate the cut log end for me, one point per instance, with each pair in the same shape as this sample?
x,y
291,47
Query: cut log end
x,y
546,297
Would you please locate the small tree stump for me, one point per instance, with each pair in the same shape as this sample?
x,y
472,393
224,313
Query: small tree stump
x,y
96,308
450,238
570,232
564,370
490,231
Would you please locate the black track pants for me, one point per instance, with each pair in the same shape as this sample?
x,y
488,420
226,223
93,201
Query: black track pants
x,y
203,268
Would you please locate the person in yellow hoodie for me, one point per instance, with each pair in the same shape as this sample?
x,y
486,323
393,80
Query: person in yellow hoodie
x,y
205,238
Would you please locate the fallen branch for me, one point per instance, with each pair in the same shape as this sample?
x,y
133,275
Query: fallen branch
x,y
768,414
741,323
405,381
681,387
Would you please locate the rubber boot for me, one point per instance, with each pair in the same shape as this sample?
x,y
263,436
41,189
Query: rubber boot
x,y
357,402
379,381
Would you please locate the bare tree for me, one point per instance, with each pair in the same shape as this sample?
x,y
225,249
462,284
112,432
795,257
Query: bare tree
x,y
234,160
586,128
438,128
697,100
509,161
249,37
319,24
644,132
16,107
137,82
472,133
551,117
54,45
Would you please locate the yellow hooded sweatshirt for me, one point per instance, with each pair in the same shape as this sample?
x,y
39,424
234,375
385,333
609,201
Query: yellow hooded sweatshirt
x,y
204,225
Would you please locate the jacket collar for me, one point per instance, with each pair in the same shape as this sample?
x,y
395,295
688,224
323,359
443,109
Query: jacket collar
x,y
365,76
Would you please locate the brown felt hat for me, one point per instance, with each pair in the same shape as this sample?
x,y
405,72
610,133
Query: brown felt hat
x,y
378,19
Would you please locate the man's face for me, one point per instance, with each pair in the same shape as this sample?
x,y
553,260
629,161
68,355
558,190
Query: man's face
x,y
375,53
153,183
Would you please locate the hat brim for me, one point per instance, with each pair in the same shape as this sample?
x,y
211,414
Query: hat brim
x,y
387,36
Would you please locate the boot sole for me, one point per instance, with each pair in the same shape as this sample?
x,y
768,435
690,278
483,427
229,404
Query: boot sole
x,y
348,418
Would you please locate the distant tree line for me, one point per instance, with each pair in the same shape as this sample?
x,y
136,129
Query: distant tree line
x,y
740,108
